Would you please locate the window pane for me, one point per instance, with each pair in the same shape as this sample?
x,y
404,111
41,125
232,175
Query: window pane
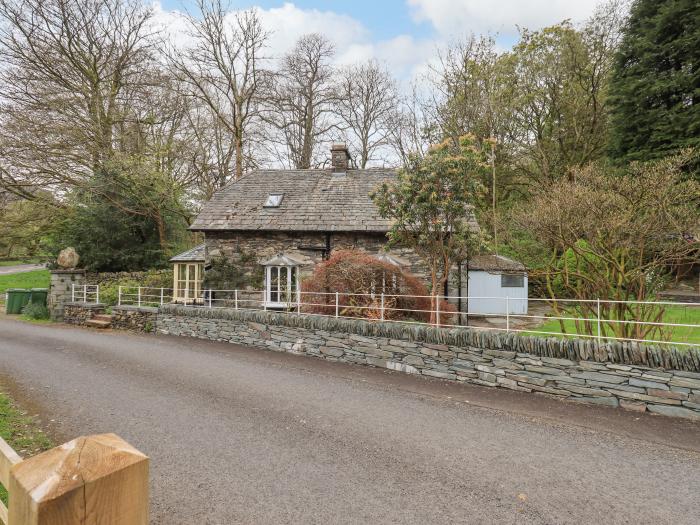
x,y
293,282
512,281
274,284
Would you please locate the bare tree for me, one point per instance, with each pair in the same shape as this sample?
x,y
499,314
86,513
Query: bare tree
x,y
65,67
300,99
367,98
222,69
410,130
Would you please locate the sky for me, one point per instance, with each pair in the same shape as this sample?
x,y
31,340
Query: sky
x,y
402,34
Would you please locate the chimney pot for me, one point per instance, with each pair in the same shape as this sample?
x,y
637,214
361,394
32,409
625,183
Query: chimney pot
x,y
340,157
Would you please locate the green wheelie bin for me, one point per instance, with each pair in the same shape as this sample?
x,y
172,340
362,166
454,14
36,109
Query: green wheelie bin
x,y
39,296
16,299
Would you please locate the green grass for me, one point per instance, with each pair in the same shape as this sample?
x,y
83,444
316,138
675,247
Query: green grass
x,y
21,432
673,314
33,279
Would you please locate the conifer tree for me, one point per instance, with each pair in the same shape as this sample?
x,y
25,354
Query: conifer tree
x,y
655,85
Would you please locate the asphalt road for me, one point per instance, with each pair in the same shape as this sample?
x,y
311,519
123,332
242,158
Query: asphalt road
x,y
21,268
240,435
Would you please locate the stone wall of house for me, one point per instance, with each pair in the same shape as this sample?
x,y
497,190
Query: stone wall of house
x,y
631,376
265,245
134,318
78,312
60,290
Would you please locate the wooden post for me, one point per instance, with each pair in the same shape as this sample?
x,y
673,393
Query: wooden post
x,y
88,481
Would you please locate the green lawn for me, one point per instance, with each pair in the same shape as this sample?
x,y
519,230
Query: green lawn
x,y
21,432
673,314
33,279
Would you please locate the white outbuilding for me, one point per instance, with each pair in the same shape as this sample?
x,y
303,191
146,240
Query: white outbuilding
x,y
496,285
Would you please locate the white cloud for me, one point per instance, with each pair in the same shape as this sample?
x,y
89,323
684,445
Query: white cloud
x,y
289,22
457,17
403,55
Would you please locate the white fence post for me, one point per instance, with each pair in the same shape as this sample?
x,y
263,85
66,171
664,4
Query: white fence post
x,y
97,294
235,299
85,293
119,296
298,302
209,297
72,293
507,314
337,305
139,296
598,320
161,295
382,307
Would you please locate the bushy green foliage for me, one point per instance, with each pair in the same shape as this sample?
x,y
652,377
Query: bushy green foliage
x,y
125,221
35,311
431,204
655,87
109,291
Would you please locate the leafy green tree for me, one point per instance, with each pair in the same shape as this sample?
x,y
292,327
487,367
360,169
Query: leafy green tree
x,y
125,221
431,204
655,87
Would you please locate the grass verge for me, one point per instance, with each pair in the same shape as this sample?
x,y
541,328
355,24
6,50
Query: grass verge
x,y
33,279
21,432
672,314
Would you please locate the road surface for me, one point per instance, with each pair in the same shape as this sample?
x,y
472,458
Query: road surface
x,y
241,435
21,268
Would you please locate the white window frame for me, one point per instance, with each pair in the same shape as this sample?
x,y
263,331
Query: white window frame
x,y
193,276
290,287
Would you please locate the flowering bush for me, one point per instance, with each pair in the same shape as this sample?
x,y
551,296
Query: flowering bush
x,y
360,280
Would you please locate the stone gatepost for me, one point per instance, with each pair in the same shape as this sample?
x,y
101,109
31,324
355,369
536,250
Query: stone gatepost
x,y
61,288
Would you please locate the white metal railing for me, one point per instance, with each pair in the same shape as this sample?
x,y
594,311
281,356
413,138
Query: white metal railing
x,y
421,309
85,293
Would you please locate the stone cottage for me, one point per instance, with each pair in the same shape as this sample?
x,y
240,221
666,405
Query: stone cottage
x,y
287,221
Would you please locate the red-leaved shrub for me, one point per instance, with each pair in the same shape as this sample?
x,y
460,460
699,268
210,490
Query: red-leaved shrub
x,y
360,281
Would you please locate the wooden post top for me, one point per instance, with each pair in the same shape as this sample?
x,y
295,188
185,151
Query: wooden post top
x,y
89,480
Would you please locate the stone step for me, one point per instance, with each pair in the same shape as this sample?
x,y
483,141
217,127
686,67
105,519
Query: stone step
x,y
97,323
102,317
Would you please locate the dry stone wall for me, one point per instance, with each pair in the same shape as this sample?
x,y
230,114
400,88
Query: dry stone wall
x,y
137,319
78,313
635,377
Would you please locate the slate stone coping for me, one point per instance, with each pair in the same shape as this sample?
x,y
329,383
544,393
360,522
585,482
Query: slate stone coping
x,y
624,353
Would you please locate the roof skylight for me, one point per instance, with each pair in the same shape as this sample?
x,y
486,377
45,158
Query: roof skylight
x,y
273,200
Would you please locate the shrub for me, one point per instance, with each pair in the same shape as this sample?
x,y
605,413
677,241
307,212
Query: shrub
x,y
35,311
360,280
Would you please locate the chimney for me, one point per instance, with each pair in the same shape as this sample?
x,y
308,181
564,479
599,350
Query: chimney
x,y
339,158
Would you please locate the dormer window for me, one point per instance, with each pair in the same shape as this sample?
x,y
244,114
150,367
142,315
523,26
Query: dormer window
x,y
273,200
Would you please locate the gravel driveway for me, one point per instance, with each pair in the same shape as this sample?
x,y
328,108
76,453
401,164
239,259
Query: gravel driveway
x,y
240,435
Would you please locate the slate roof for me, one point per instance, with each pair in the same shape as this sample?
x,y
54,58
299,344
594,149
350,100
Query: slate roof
x,y
195,254
495,263
313,200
